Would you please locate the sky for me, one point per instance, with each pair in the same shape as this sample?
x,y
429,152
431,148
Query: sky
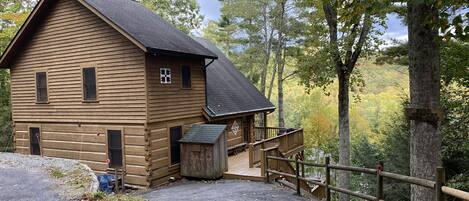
x,y
396,30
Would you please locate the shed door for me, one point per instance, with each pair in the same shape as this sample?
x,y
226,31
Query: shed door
x,y
34,139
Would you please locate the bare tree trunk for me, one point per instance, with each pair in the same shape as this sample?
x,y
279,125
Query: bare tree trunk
x,y
281,65
267,47
344,132
425,140
281,112
271,86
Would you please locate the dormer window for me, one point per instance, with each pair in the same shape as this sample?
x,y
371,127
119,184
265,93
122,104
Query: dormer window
x,y
165,75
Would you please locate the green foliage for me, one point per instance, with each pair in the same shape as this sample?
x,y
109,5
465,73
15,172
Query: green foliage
x,y
364,154
453,60
321,58
454,130
183,14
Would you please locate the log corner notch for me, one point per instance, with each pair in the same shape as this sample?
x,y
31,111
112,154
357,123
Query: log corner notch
x,y
431,115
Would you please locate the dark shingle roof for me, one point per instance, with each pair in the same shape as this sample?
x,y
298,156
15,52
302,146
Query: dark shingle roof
x,y
148,28
203,134
228,91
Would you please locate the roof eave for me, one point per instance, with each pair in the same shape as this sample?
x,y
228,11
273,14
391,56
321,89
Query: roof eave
x,y
176,53
38,9
213,117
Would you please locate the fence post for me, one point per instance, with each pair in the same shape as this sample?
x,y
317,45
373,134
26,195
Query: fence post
x,y
298,189
265,165
440,180
379,182
328,179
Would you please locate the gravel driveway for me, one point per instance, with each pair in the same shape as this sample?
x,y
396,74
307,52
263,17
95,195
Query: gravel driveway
x,y
229,190
25,185
35,178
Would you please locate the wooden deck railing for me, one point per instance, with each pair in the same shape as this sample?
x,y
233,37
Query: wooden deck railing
x,y
262,133
288,144
438,185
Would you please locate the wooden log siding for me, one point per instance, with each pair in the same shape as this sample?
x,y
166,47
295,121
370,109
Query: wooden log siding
x,y
87,144
168,102
69,38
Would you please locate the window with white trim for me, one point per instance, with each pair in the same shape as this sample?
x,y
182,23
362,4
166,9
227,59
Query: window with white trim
x,y
165,75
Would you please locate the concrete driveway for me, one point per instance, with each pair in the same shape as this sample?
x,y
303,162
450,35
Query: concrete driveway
x,y
229,190
25,185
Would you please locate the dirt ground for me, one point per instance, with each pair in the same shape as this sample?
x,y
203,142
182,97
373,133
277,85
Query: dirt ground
x,y
229,190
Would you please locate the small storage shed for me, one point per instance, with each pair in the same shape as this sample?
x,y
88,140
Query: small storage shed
x,y
204,152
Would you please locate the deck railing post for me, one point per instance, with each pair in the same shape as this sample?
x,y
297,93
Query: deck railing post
x,y
328,179
297,171
379,182
267,178
263,164
440,180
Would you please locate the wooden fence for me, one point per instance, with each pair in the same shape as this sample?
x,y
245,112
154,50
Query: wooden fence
x,y
438,185
288,143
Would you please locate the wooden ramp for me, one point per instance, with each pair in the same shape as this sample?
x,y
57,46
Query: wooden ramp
x,y
238,168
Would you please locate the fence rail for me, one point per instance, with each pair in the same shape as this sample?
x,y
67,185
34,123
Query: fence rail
x,y
437,186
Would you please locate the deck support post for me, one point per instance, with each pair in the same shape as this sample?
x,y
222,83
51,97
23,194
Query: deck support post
x,y
440,180
297,171
265,126
328,179
303,165
379,182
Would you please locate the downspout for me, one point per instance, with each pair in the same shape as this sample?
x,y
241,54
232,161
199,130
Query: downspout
x,y
205,75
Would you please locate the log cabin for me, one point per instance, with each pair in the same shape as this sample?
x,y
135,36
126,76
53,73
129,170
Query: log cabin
x,y
112,85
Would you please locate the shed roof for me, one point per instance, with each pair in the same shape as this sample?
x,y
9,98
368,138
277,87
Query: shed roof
x,y
203,134
228,91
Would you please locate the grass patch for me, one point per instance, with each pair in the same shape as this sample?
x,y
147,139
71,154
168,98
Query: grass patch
x,y
101,196
57,173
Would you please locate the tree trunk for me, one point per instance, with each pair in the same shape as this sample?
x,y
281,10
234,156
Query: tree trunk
x,y
281,65
344,132
425,140
271,86
281,112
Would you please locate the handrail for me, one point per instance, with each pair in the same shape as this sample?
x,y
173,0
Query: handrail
x,y
408,179
435,185
276,137
455,193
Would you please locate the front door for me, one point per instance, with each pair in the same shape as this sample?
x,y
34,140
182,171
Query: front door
x,y
34,139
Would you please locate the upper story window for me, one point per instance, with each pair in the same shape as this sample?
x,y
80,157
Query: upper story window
x,y
186,77
89,84
165,75
41,87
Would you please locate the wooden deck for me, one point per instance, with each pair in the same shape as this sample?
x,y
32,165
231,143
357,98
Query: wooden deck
x,y
238,168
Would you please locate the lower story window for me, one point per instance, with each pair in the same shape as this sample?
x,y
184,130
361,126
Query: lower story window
x,y
114,138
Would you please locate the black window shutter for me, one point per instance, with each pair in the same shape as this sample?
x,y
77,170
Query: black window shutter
x,y
186,76
89,83
115,148
41,87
